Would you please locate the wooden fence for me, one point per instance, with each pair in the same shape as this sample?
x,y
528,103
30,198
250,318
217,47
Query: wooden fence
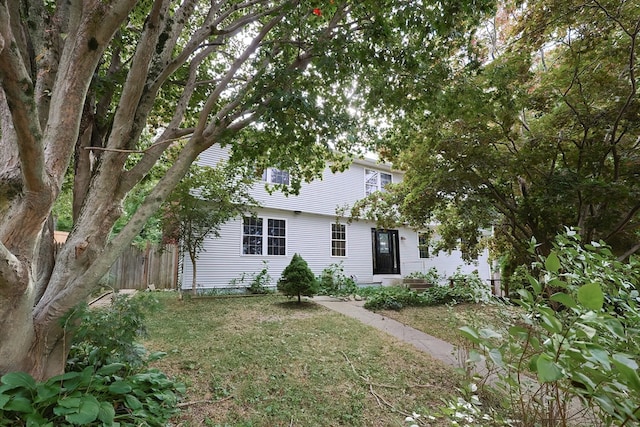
x,y
151,267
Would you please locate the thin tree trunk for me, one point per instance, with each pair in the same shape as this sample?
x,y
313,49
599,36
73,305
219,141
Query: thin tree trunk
x,y
194,282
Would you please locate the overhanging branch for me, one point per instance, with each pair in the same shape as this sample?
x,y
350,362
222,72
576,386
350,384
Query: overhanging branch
x,y
122,150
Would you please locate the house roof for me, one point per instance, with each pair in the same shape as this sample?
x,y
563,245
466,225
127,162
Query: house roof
x,y
373,163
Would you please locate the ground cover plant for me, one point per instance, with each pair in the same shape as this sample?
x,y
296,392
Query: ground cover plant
x,y
107,380
464,288
267,361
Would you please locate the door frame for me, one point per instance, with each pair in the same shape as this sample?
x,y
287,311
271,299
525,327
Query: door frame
x,y
393,251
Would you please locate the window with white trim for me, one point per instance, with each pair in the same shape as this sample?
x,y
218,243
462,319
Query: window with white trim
x,y
375,180
338,240
276,237
423,244
253,236
275,176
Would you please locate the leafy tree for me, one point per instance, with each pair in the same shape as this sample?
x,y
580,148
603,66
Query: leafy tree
x,y
297,279
108,87
528,135
206,198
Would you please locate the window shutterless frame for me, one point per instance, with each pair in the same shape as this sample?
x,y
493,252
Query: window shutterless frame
x,y
338,240
375,180
264,236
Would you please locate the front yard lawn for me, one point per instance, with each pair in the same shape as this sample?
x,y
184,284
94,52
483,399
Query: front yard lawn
x,y
444,321
267,361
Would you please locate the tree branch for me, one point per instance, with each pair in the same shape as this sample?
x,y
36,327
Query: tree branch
x,y
18,86
635,248
13,277
121,150
134,86
202,127
624,221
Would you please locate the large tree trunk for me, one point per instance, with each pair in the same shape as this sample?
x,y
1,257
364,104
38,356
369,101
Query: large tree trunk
x,y
16,331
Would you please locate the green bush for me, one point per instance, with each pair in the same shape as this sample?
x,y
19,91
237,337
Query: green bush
x,y
396,297
107,383
579,335
108,335
333,281
297,279
431,276
472,285
261,281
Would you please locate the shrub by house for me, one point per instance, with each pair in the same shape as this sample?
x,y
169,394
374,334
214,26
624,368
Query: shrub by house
x,y
297,279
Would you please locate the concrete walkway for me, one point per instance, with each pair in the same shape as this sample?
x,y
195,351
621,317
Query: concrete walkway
x,y
437,348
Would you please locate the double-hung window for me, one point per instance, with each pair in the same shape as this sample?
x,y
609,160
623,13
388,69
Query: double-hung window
x,y
423,244
275,176
338,240
276,237
252,236
254,231
375,180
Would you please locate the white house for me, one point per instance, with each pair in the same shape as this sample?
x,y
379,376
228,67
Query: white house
x,y
306,224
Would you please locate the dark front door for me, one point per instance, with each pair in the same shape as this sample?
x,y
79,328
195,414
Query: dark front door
x,y
386,251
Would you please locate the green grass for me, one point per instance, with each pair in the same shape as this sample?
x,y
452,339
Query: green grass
x,y
444,321
265,361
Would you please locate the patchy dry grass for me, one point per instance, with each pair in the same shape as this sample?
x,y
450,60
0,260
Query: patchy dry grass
x,y
265,361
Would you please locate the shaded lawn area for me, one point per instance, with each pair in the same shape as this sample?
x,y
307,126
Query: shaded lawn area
x,y
265,361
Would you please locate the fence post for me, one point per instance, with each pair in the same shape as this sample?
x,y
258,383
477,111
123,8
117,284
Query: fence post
x,y
147,265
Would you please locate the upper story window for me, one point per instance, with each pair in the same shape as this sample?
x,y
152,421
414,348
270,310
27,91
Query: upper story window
x,y
275,176
375,180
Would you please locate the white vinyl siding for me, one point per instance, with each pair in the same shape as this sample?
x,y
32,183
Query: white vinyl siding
x,y
299,224
320,196
221,263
